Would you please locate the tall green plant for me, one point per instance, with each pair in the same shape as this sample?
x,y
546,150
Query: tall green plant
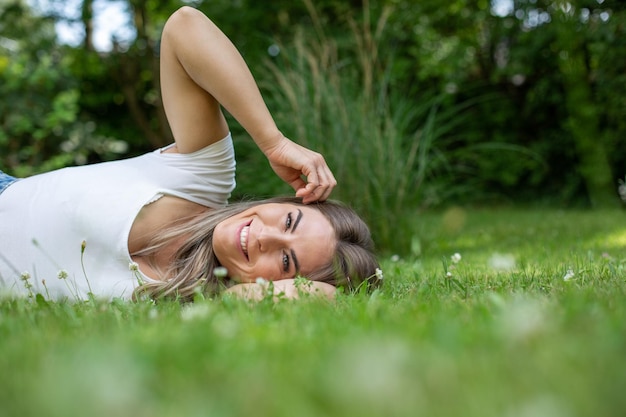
x,y
380,143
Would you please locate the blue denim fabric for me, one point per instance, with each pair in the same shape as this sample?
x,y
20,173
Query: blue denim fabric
x,y
5,181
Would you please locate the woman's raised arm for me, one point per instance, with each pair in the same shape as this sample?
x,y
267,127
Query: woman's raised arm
x,y
200,70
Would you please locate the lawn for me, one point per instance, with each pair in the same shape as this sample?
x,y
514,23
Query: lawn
x,y
489,313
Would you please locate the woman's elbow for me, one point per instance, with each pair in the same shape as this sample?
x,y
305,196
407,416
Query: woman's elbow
x,y
181,20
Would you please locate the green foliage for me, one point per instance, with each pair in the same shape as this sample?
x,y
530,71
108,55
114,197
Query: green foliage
x,y
514,59
38,101
403,65
517,338
40,113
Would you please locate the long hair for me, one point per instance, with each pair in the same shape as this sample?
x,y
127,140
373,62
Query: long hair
x,y
192,269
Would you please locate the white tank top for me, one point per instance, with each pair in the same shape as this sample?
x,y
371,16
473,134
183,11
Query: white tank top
x,y
47,219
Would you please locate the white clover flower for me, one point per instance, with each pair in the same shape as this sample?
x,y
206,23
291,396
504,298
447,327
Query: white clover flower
x,y
502,262
133,266
220,272
195,312
568,275
395,258
25,276
449,274
62,274
456,258
379,273
261,281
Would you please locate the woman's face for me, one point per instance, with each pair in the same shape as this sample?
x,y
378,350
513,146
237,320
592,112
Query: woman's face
x,y
274,241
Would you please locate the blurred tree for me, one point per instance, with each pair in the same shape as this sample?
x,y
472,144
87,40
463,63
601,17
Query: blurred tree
x,y
547,77
574,34
39,105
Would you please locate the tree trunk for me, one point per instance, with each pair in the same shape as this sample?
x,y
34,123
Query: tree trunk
x,y
87,19
131,65
582,121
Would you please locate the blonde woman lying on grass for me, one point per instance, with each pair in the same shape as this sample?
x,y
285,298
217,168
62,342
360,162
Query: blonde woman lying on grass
x,y
159,224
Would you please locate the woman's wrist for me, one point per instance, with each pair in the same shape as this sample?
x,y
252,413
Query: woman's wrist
x,y
269,141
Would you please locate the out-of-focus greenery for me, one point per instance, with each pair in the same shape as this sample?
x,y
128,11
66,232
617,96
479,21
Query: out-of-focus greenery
x,y
528,104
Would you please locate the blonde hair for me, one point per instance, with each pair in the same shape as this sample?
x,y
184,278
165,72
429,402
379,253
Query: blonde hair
x,y
352,267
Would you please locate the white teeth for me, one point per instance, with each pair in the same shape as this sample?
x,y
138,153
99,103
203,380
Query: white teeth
x,y
243,239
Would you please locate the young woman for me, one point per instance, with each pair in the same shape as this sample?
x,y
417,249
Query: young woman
x,y
159,225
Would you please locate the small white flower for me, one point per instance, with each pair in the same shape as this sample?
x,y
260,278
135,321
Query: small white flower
x,y
568,275
261,281
25,276
502,262
379,273
395,258
220,272
62,274
449,274
195,312
133,266
456,258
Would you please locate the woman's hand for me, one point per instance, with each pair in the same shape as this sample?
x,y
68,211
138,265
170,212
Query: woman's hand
x,y
291,162
286,288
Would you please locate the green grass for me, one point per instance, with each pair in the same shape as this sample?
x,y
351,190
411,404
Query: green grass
x,y
482,342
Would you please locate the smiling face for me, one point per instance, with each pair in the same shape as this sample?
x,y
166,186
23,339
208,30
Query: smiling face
x,y
274,241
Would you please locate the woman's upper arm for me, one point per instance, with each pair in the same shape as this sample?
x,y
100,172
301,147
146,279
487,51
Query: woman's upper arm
x,y
193,113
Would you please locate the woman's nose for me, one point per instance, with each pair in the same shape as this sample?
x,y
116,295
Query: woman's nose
x,y
270,239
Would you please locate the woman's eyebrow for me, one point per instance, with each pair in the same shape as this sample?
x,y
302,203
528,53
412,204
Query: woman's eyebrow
x,y
293,229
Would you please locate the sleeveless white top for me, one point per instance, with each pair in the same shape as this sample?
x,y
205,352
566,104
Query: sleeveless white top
x,y
65,233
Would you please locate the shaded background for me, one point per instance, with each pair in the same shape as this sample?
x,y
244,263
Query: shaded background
x,y
415,104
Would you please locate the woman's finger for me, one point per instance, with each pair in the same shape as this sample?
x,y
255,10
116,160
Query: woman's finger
x,y
321,189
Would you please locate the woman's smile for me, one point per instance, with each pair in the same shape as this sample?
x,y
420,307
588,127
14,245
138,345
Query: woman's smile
x,y
243,239
274,241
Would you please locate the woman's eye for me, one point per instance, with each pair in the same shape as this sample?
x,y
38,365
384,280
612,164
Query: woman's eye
x,y
285,262
288,222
